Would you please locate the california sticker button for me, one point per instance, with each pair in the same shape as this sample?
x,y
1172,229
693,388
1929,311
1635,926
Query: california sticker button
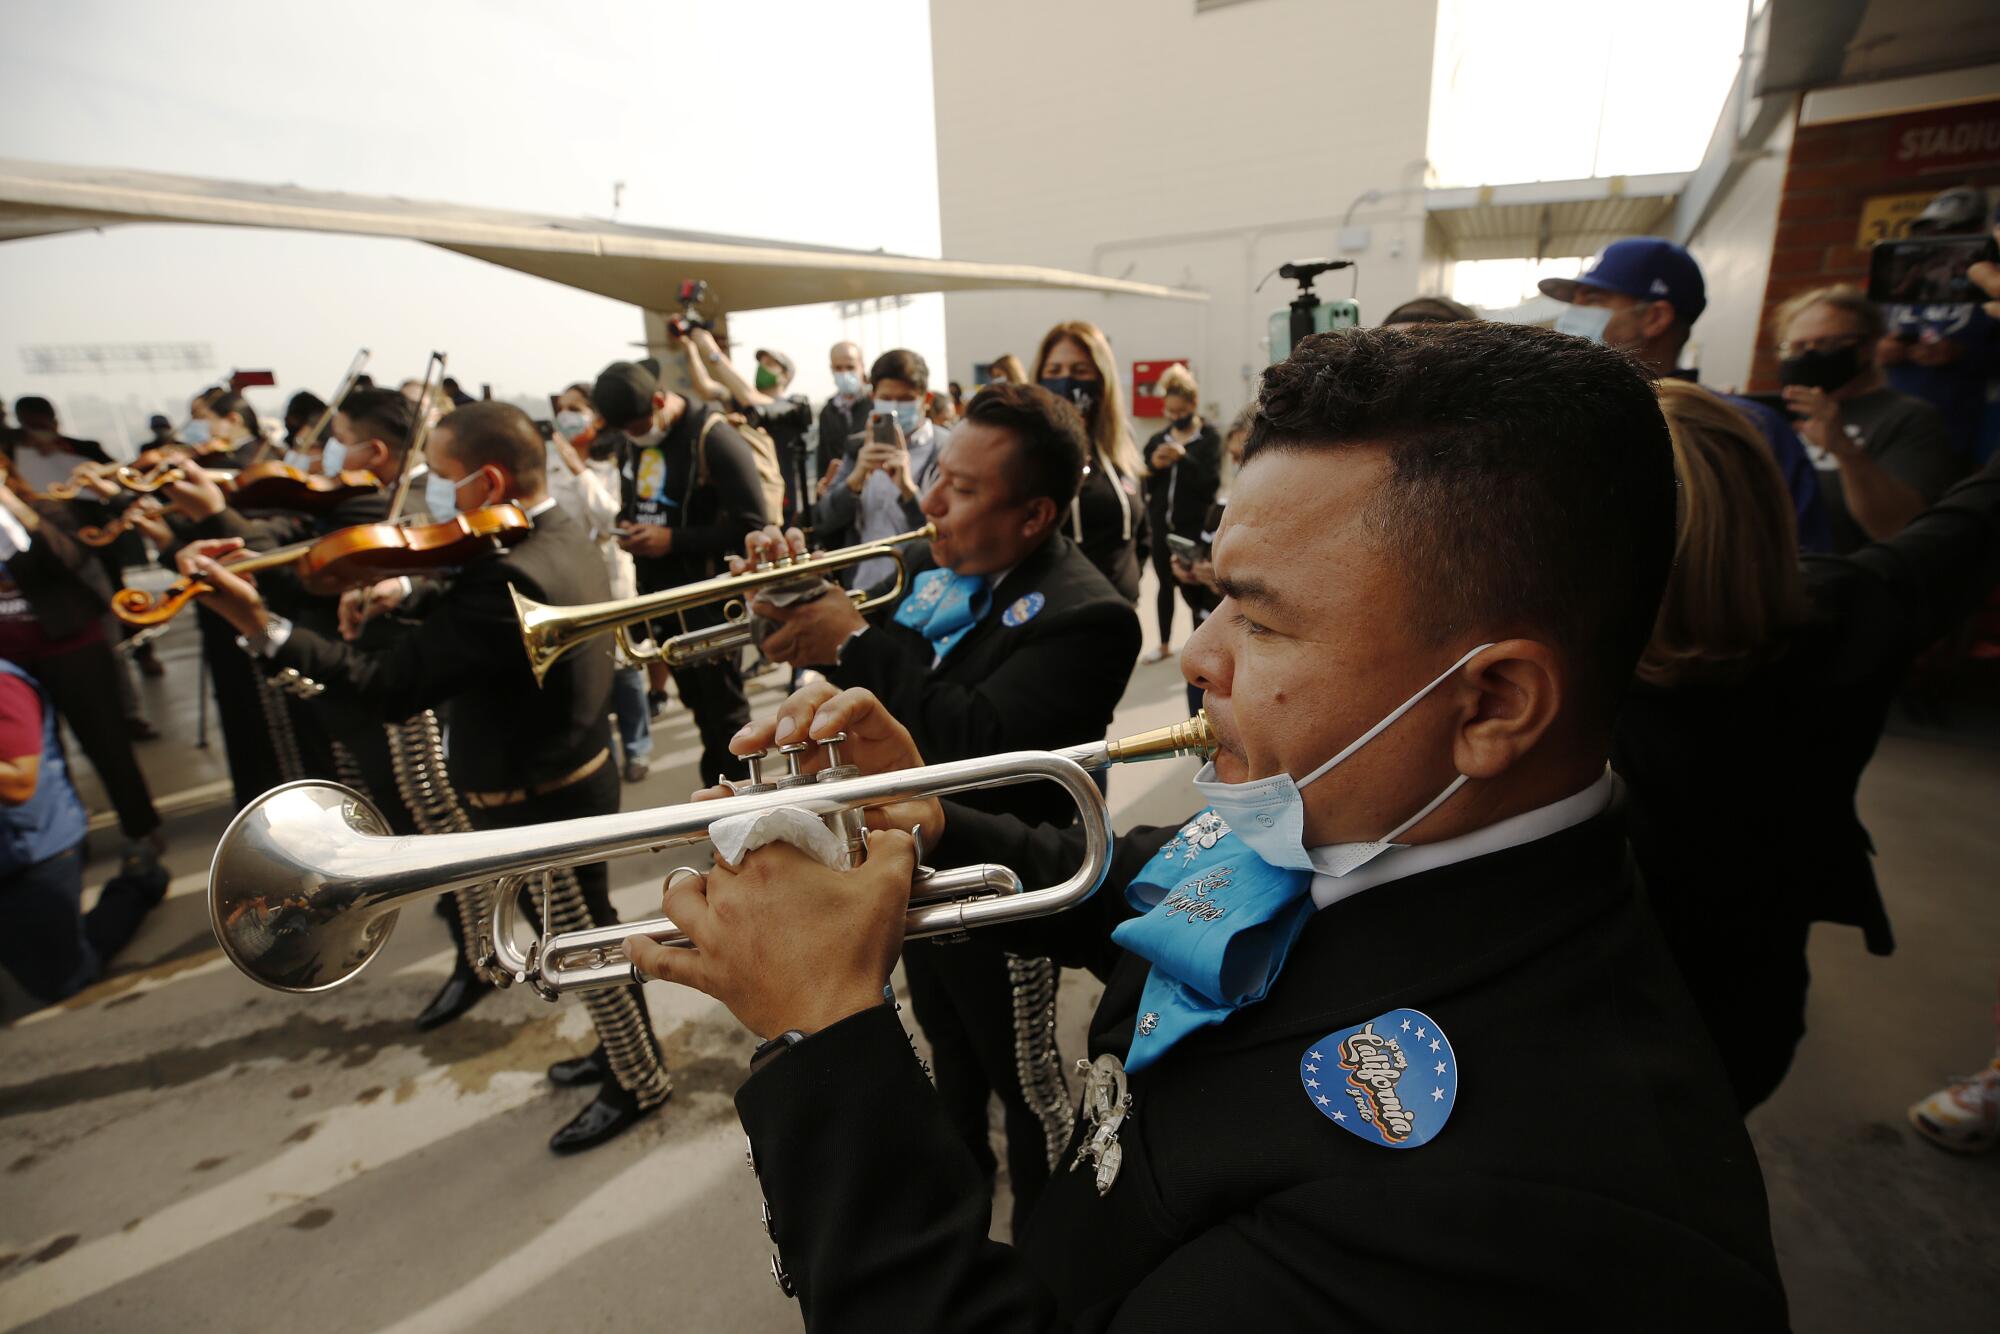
x,y
1392,1081
1022,610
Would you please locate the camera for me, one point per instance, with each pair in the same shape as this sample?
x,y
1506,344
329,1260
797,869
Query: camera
x,y
694,291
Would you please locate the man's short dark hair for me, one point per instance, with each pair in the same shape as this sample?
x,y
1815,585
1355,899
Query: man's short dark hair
x,y
1531,485
379,414
488,431
901,364
1049,439
35,404
304,404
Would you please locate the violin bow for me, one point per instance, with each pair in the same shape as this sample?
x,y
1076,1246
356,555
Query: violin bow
x,y
420,434
310,436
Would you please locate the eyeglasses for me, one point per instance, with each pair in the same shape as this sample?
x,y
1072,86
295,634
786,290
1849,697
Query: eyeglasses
x,y
1830,343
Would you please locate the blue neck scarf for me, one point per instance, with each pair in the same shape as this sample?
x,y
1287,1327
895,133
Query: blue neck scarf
x,y
1218,924
943,606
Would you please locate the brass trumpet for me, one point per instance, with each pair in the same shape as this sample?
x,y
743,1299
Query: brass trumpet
x,y
548,632
307,880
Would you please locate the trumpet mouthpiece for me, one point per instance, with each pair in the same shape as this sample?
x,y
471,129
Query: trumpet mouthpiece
x,y
1191,737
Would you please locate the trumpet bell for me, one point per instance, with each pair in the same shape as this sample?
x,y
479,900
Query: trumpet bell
x,y
289,895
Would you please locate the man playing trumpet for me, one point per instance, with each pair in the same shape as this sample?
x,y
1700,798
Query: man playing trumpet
x,y
1406,887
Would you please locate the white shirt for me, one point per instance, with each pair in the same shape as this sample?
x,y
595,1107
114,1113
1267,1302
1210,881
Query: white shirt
x,y
1402,861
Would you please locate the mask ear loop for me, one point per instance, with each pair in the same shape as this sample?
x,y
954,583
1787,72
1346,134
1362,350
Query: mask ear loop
x,y
1384,726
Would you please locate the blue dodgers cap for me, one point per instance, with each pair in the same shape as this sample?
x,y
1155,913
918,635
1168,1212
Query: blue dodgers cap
x,y
1647,268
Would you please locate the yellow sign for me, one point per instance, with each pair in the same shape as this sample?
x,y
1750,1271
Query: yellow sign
x,y
1888,217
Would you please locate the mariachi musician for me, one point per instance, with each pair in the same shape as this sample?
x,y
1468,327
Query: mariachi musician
x,y
1389,1038
520,753
1014,642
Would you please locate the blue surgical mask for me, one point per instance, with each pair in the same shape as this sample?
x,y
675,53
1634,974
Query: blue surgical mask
x,y
1584,321
1269,814
332,457
572,423
299,459
847,383
907,414
195,433
441,494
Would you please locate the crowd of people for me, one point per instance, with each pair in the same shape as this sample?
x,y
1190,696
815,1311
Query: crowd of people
x,y
1651,618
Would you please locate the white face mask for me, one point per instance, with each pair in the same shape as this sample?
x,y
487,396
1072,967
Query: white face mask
x,y
332,457
1584,321
572,423
299,459
195,433
652,437
847,383
1269,814
441,494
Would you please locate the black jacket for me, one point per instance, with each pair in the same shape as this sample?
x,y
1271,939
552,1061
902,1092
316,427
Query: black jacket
x,y
1108,521
1743,791
465,656
65,588
1593,1174
710,516
1053,678
1178,496
836,516
836,425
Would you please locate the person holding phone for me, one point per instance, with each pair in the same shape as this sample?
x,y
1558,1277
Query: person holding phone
x,y
878,491
1882,456
1184,467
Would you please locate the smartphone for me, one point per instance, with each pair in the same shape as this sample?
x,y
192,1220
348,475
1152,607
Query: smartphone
x,y
1927,270
882,429
1186,548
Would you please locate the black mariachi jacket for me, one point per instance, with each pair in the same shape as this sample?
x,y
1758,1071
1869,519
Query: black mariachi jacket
x,y
1593,1172
465,656
1044,668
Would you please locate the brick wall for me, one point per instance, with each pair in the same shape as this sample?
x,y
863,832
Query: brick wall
x,y
1832,173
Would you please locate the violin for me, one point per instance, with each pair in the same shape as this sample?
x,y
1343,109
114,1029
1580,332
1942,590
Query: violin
x,y
70,489
103,535
268,486
351,557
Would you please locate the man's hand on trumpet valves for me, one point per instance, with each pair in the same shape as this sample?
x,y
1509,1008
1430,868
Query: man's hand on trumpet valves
x,y
784,942
810,633
876,744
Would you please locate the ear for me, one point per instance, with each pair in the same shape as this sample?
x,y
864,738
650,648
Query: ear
x,y
1659,317
1040,516
1511,694
659,399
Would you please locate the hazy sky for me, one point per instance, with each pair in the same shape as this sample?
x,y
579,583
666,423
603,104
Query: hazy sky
x,y
712,120
791,119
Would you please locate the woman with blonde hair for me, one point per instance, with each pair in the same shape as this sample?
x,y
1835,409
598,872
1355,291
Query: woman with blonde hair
x,y
1006,369
1108,517
1758,703
1183,470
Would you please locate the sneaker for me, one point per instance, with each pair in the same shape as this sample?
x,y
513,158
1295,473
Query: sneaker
x,y
1160,654
1964,1115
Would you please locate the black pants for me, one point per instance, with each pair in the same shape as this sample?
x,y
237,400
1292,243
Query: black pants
x,y
961,995
83,685
714,695
596,795
1163,597
51,947
246,737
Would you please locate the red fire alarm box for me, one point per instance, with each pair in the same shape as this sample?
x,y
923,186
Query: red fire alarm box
x,y
1145,379
241,380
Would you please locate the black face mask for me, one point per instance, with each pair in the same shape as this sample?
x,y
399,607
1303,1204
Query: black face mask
x,y
1821,370
1184,423
1083,393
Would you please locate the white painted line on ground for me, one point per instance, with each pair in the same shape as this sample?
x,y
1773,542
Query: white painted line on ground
x,y
653,1188
351,1142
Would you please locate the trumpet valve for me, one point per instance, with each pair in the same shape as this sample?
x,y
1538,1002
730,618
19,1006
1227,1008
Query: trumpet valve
x,y
847,825
792,777
756,782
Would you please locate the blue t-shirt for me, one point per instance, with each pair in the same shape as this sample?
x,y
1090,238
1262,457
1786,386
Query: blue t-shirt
x,y
52,821
1801,479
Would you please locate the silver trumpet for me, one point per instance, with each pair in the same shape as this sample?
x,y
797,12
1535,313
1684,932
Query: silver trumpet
x,y
307,880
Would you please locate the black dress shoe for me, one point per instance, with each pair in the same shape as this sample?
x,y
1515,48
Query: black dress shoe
x,y
580,1070
461,991
609,1115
